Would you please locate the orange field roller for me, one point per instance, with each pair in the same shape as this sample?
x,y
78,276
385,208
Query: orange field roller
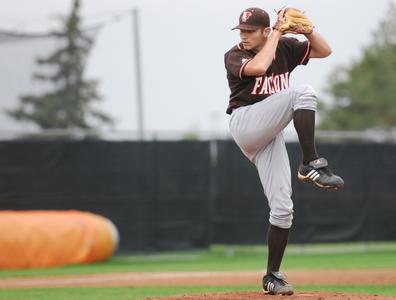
x,y
35,239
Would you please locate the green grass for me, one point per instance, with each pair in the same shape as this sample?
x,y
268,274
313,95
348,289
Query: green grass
x,y
130,293
234,258
217,258
118,293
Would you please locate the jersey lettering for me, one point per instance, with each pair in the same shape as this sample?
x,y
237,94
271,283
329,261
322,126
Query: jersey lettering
x,y
245,89
259,80
264,89
275,80
269,85
284,80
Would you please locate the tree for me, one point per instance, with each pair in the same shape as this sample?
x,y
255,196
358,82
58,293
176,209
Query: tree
x,y
68,105
365,93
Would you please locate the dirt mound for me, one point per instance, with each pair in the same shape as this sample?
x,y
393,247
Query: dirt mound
x,y
261,296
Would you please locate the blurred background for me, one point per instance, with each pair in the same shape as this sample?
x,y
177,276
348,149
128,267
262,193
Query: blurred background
x,y
181,85
118,107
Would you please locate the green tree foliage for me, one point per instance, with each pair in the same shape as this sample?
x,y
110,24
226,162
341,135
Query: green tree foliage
x,y
68,105
365,93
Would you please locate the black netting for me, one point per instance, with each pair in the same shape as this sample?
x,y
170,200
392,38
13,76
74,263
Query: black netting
x,y
167,195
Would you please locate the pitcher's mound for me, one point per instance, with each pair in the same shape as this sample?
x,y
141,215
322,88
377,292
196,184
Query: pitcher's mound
x,y
261,296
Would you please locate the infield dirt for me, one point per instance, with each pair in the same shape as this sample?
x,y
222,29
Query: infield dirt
x,y
136,279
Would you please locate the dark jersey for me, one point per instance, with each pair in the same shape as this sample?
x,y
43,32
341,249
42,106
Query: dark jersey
x,y
246,90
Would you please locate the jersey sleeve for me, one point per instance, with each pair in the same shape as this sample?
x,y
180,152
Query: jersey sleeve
x,y
298,52
235,62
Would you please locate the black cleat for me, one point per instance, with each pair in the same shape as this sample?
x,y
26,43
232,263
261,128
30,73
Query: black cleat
x,y
275,284
318,173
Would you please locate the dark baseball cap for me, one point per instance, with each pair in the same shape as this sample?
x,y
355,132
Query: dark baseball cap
x,y
253,18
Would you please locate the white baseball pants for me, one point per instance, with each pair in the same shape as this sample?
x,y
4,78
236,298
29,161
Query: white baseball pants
x,y
257,130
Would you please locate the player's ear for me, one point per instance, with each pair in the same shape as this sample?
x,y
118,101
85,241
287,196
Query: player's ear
x,y
266,31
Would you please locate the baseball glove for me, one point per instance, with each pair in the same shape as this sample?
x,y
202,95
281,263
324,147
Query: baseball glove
x,y
294,21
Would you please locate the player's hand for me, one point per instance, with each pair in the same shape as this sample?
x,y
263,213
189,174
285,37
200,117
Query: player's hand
x,y
280,20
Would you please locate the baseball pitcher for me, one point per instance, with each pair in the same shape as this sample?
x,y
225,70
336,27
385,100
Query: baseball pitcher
x,y
261,105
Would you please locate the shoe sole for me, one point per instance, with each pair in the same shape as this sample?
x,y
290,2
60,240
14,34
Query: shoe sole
x,y
327,187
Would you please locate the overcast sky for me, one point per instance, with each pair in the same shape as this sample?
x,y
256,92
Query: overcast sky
x,y
182,45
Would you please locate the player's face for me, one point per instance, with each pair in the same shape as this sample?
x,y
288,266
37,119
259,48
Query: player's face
x,y
254,39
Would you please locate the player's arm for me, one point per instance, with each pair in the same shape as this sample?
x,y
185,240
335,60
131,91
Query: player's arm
x,y
263,59
319,47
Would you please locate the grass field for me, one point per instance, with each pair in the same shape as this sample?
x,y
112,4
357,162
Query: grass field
x,y
217,258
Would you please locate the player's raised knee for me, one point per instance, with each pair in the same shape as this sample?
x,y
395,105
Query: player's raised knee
x,y
306,97
305,88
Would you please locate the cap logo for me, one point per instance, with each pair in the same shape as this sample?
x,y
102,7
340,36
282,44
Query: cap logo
x,y
246,15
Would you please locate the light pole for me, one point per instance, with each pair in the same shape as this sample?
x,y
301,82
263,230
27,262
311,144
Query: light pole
x,y
138,75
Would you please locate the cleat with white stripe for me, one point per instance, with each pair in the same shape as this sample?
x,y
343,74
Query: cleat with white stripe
x,y
317,172
275,284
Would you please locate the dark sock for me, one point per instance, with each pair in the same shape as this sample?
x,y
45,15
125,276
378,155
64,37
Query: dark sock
x,y
304,123
277,241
